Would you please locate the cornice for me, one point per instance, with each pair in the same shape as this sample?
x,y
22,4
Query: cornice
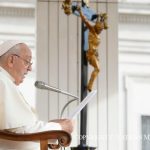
x,y
134,13
134,18
134,46
17,11
134,7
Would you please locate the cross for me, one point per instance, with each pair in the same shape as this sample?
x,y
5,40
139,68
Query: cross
x,y
89,50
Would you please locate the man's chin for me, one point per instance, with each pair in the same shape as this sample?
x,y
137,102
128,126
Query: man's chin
x,y
19,82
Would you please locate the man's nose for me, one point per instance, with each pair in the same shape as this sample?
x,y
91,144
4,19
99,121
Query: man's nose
x,y
29,68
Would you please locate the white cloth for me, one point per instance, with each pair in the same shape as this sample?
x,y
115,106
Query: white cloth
x,y
17,116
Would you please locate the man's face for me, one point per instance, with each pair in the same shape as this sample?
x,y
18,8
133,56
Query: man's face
x,y
99,26
21,64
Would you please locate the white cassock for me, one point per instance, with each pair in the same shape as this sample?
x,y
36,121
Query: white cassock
x,y
18,116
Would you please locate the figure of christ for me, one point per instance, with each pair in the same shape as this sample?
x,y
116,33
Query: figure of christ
x,y
93,43
91,35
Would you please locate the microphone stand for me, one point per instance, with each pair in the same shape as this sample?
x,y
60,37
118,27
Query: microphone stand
x,y
61,114
66,93
50,88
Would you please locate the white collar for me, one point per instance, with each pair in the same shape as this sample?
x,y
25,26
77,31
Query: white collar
x,y
3,71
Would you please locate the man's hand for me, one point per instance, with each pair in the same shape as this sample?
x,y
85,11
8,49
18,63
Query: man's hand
x,y
78,8
66,124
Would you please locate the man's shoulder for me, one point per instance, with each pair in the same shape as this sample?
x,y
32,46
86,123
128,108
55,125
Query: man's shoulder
x,y
4,83
4,80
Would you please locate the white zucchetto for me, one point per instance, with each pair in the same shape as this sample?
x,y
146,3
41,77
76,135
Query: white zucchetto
x,y
7,45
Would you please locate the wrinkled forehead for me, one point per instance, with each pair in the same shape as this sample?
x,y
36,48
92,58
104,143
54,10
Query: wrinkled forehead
x,y
25,50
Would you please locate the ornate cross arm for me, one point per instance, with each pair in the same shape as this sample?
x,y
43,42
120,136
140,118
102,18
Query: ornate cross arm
x,y
67,6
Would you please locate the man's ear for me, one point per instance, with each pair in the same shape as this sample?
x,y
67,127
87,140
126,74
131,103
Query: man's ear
x,y
10,61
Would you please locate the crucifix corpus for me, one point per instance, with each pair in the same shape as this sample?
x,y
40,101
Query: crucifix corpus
x,y
92,36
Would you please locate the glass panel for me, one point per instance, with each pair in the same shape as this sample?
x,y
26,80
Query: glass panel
x,y
145,132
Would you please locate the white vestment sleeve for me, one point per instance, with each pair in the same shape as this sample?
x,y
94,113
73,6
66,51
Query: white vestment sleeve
x,y
39,126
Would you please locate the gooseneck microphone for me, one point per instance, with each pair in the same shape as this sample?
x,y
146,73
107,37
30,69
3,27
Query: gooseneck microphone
x,y
43,85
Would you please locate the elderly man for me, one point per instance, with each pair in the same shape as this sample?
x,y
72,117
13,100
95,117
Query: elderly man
x,y
16,115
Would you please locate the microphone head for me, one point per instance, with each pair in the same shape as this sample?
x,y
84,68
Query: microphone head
x,y
43,85
40,84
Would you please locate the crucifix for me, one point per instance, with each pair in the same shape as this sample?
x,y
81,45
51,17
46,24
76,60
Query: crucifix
x,y
89,53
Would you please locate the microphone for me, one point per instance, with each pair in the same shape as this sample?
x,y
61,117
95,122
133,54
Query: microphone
x,y
43,85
